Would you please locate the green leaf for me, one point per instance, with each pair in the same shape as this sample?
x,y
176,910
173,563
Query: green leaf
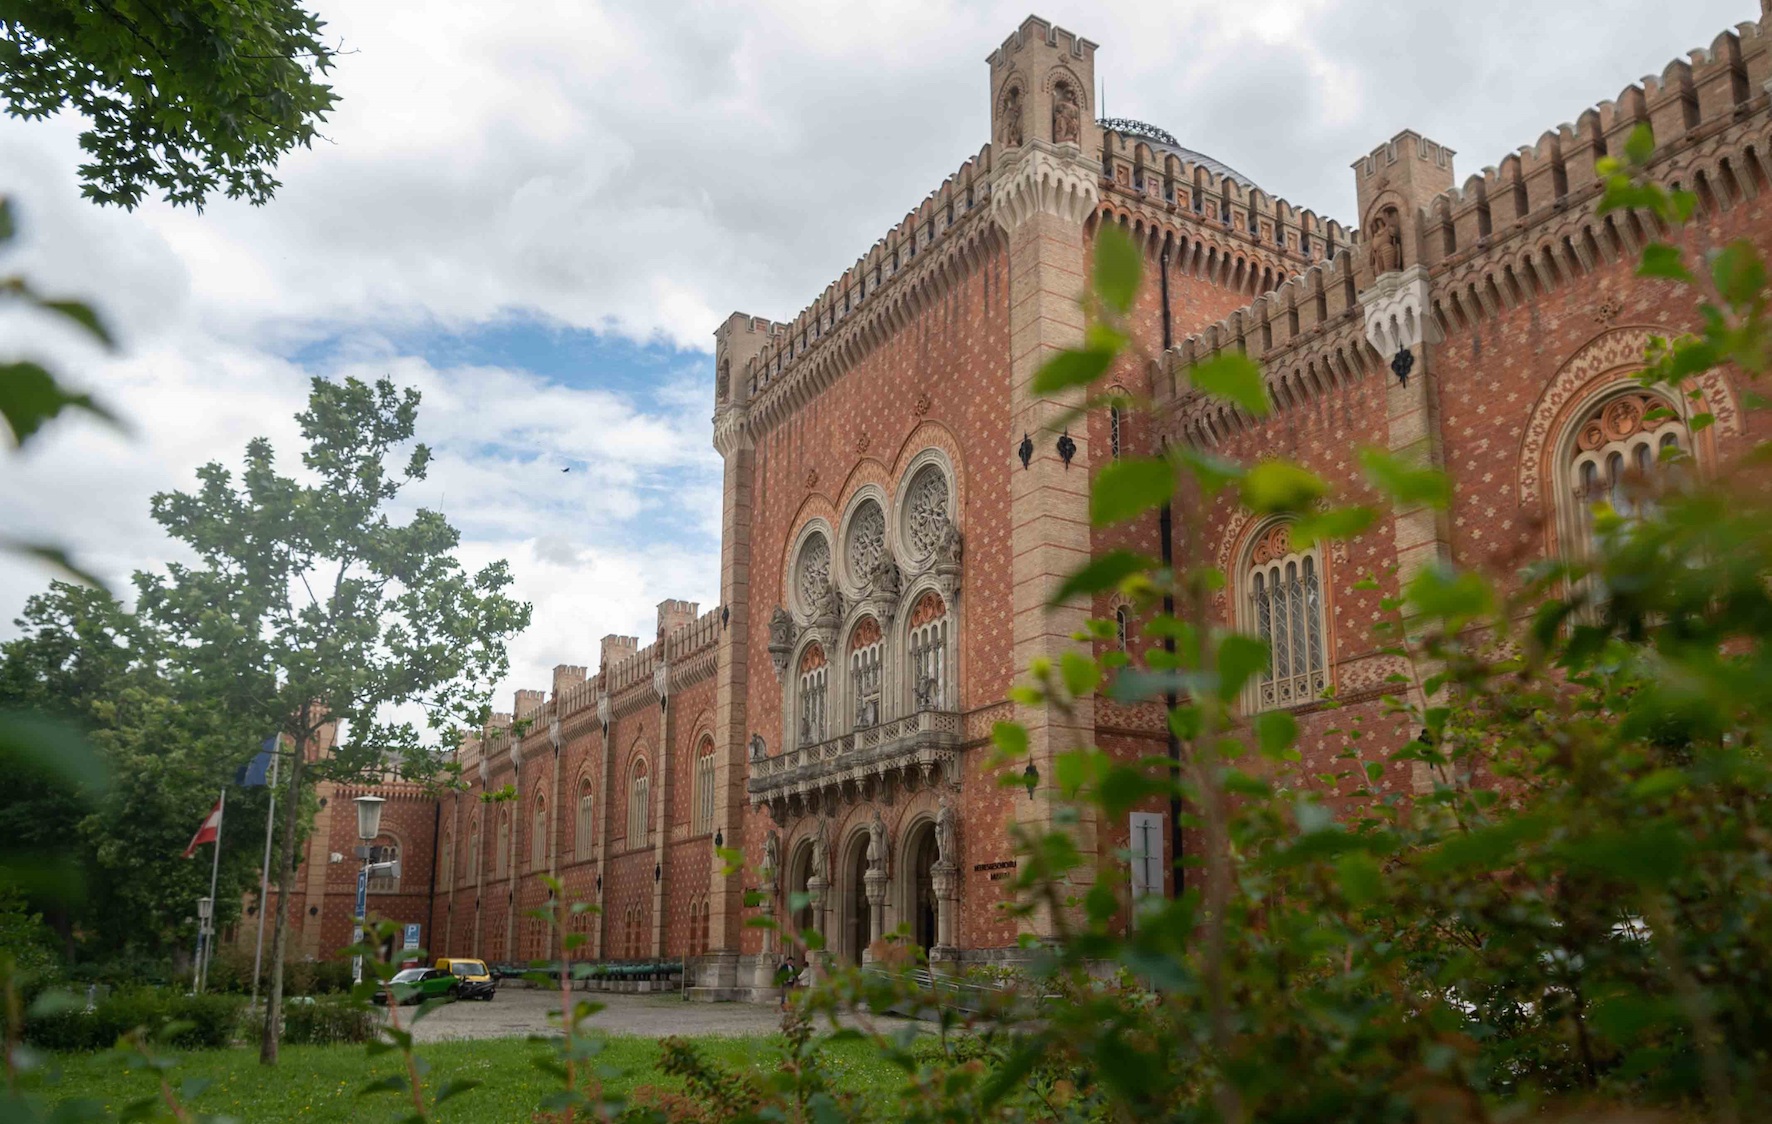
x,y
1457,596
1662,260
8,226
1067,369
1103,573
30,396
454,1088
1234,377
1336,523
82,315
1213,472
1408,485
1275,731
1117,267
1281,486
1640,145
1361,881
393,1083
1081,674
42,747
1130,487
1739,273
1239,658
1010,737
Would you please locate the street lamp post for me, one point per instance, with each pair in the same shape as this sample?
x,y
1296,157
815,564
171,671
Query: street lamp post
x,y
368,827
205,916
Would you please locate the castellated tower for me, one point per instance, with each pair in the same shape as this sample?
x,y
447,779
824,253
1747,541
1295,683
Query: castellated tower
x,y
1046,173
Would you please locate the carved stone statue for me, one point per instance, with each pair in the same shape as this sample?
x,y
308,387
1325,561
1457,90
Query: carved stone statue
x,y
759,749
1387,245
781,639
884,582
771,857
820,853
951,545
1012,118
1067,115
828,609
947,840
877,842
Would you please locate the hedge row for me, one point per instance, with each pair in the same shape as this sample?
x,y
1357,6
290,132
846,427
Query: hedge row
x,y
195,1021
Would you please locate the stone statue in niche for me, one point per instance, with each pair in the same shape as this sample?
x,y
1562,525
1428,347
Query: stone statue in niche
x,y
759,749
877,842
884,582
1067,115
820,852
950,545
827,605
781,639
1387,244
1012,118
771,857
947,839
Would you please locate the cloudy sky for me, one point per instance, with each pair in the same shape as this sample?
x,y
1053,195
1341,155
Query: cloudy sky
x,y
539,218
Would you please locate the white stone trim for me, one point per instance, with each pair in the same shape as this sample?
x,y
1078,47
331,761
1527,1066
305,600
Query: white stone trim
x,y
1398,311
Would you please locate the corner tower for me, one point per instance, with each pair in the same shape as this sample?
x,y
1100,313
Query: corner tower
x,y
1045,190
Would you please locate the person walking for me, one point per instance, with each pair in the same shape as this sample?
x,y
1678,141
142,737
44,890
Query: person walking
x,y
785,975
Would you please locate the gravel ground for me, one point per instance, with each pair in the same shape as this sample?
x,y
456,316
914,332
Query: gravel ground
x,y
517,1012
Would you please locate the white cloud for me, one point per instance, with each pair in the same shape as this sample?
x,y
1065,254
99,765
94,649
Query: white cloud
x,y
642,169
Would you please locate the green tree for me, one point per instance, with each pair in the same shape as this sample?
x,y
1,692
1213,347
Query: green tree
x,y
187,97
165,749
309,608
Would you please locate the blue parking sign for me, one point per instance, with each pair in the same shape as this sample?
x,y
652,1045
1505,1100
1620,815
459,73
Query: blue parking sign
x,y
412,935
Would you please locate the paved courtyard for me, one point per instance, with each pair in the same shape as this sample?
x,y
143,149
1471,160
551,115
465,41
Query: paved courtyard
x,y
522,1011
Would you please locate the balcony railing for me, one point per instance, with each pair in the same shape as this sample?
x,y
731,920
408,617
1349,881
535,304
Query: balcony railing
x,y
921,740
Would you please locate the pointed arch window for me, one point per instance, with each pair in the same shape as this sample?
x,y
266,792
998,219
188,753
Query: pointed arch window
x,y
582,840
639,803
1623,452
446,860
1116,430
1284,588
1122,628
929,639
502,860
702,821
866,650
474,853
814,695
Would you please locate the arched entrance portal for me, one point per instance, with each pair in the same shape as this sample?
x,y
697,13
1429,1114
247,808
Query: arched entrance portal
x,y
797,897
856,903
919,886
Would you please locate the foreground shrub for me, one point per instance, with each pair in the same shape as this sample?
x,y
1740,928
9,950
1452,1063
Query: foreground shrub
x,y
194,1021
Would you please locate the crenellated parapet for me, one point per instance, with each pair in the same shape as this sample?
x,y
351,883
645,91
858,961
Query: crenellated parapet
x,y
942,238
1142,166
1509,235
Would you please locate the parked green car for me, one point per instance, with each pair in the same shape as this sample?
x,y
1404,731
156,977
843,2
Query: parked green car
x,y
415,985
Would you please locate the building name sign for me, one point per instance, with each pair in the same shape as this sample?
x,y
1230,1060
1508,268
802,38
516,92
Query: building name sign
x,y
997,871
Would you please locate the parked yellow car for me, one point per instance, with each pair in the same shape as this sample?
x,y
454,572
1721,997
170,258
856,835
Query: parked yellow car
x,y
474,979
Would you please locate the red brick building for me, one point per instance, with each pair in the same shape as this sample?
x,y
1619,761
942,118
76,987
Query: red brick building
x,y
899,506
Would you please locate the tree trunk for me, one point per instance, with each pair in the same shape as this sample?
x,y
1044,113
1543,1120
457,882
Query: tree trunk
x,y
267,1050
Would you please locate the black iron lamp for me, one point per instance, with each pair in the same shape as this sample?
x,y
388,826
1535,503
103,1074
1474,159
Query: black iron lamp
x,y
1066,448
599,883
1026,450
719,838
657,871
1030,777
1401,364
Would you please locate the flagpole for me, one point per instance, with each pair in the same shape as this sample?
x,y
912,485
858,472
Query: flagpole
x,y
264,880
221,807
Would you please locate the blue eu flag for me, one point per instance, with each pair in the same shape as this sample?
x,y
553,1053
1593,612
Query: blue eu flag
x,y
257,772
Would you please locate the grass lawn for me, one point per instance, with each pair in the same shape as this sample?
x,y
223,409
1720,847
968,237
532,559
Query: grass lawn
x,y
320,1082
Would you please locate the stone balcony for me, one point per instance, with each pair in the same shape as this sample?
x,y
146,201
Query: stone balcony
x,y
873,763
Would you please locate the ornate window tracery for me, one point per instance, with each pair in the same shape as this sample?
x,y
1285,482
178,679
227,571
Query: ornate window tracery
x,y
639,803
1620,455
702,821
1285,596
867,541
582,840
812,573
385,849
814,695
926,511
866,650
929,629
1115,430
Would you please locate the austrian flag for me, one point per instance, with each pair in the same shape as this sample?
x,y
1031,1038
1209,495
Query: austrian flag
x,y
209,832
